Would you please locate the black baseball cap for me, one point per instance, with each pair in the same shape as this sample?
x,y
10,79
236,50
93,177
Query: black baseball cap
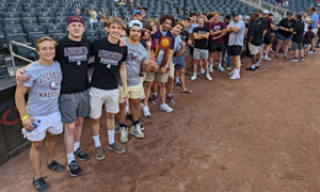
x,y
235,13
289,12
142,7
270,14
185,18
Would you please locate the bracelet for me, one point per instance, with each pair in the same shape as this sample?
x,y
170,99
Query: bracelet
x,y
25,117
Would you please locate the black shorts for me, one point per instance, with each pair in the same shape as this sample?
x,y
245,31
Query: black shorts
x,y
215,47
235,50
191,50
267,39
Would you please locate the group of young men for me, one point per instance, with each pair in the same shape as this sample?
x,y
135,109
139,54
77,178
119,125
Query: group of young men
x,y
60,94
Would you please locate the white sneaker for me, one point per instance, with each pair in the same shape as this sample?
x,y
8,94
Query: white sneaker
x,y
166,108
235,76
209,78
211,70
221,69
267,59
124,134
203,71
146,111
193,77
231,73
136,131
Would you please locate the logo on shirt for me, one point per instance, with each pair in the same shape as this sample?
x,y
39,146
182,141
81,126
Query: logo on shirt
x,y
201,32
76,54
54,85
109,58
217,28
49,76
132,56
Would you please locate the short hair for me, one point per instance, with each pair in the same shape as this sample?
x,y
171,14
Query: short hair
x,y
200,18
155,20
115,20
259,11
146,25
310,27
179,23
255,15
43,39
167,16
228,17
216,12
77,9
193,13
209,16
299,16
313,9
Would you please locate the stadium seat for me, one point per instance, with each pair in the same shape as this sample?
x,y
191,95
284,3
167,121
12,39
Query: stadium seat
x,y
3,43
11,15
91,35
99,25
4,74
28,14
45,14
103,33
35,37
54,29
29,21
32,29
60,14
30,9
45,21
58,36
10,22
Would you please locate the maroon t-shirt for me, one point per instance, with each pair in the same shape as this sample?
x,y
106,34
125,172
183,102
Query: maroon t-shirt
x,y
268,21
226,37
308,36
217,27
206,24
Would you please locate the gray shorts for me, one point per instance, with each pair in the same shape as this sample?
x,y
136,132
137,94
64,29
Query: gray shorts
x,y
200,52
74,105
296,46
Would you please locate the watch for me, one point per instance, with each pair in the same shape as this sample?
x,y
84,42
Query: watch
x,y
167,67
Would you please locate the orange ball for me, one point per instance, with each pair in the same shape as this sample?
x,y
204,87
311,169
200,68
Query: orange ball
x,y
165,43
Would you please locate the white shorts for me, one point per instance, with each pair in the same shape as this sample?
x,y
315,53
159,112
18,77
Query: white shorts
x,y
98,97
51,123
315,30
307,45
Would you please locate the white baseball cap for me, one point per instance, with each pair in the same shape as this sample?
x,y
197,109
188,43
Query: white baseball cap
x,y
240,17
248,17
266,12
136,24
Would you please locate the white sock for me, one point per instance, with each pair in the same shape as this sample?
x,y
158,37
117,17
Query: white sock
x,y
195,73
257,65
155,94
70,157
177,79
146,107
219,65
253,66
208,63
211,66
163,104
207,74
234,70
96,141
237,71
76,146
111,136
168,94
266,56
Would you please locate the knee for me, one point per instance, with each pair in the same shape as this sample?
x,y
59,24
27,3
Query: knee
x,y
70,128
162,85
51,137
181,72
95,121
37,145
170,79
110,115
79,121
148,85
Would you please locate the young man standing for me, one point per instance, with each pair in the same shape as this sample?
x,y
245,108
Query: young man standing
x,y
201,36
43,88
297,39
314,23
110,64
216,40
194,24
161,76
137,59
186,37
227,56
267,38
236,29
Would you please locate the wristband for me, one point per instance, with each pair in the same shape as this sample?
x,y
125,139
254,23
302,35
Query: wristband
x,y
25,117
220,31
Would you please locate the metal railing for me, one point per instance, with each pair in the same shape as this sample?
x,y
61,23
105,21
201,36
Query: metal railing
x,y
13,54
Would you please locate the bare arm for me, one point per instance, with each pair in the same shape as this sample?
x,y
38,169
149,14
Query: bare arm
x,y
198,36
214,33
148,66
180,53
246,32
264,33
123,77
192,39
21,106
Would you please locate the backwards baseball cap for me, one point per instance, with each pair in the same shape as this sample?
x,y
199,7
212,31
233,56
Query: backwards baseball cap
x,y
240,17
136,24
137,12
266,12
235,13
248,17
73,19
289,12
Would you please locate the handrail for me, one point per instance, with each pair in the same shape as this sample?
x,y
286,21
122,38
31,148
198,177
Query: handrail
x,y
18,56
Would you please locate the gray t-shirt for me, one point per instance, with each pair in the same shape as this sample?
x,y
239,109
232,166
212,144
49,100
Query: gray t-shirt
x,y
177,46
192,26
44,88
237,38
136,55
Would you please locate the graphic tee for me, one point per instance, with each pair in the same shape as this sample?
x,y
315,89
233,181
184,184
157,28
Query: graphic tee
x,y
73,58
286,24
108,57
201,43
44,88
157,36
136,55
217,27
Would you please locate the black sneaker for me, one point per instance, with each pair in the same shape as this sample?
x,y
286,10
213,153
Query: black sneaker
x,y
55,166
81,155
74,169
250,69
257,67
40,184
117,127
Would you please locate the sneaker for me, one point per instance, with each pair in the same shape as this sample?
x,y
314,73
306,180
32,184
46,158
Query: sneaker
x,y
193,77
231,73
117,127
285,57
209,78
166,108
257,67
124,134
221,69
228,68
116,148
170,100
302,59
202,71
81,155
294,60
211,70
41,185
55,166
99,153
267,59
250,69
312,52
136,131
74,169
154,100
146,111
235,76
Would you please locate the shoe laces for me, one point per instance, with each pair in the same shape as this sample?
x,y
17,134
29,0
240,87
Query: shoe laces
x,y
73,165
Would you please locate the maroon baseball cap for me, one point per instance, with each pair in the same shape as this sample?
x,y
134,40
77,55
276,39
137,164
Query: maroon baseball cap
x,y
73,19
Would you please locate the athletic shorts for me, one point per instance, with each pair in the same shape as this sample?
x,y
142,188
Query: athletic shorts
x,y
215,47
282,38
135,92
186,51
191,50
307,45
178,62
296,46
171,70
74,105
267,39
253,49
98,97
151,76
51,123
235,50
197,53
315,30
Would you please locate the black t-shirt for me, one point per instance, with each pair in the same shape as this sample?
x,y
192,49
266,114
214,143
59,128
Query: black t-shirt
x,y
299,28
201,43
73,58
107,63
143,43
184,35
286,24
263,23
256,30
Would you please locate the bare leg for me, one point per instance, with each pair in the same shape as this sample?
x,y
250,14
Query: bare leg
x,y
95,126
206,66
195,66
135,108
155,86
110,121
182,80
35,158
77,132
162,92
279,45
51,141
147,90
121,116
69,136
170,84
286,46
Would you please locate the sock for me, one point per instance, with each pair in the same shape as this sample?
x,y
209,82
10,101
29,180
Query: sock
x,y
76,146
234,70
135,123
219,65
257,65
163,104
211,66
155,94
177,79
253,66
111,136
195,73
238,71
207,74
266,56
168,94
122,125
96,141
70,157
